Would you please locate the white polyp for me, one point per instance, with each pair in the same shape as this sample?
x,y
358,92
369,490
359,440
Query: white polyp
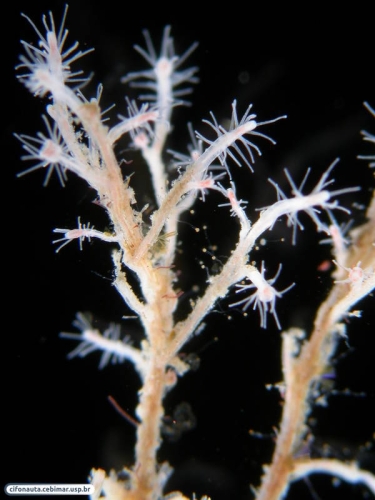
x,y
261,284
356,275
51,152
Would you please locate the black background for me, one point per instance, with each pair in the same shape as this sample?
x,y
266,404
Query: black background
x,y
315,66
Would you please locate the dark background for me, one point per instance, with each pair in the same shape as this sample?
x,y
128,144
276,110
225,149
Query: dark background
x,y
315,66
